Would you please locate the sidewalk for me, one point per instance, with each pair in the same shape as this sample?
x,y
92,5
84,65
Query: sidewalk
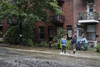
x,y
80,54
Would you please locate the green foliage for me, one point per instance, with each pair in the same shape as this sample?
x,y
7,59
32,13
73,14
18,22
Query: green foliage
x,y
31,11
98,47
69,45
36,44
12,35
42,44
85,47
55,44
0,32
59,44
46,44
1,40
30,42
60,33
22,9
27,29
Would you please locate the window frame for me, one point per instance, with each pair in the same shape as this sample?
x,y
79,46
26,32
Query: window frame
x,y
91,33
41,33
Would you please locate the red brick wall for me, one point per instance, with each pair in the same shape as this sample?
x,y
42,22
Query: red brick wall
x,y
97,9
4,26
80,6
67,9
37,25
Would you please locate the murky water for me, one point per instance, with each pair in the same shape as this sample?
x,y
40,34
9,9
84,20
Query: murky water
x,y
18,54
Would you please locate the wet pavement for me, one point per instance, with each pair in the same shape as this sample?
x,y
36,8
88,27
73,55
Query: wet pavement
x,y
23,56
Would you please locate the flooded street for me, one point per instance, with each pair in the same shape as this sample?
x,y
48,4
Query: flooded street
x,y
14,57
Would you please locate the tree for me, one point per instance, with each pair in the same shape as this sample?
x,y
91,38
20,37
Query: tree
x,y
60,33
22,9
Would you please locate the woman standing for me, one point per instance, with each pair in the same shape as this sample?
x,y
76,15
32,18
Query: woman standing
x,y
64,44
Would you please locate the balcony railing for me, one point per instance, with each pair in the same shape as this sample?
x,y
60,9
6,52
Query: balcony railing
x,y
88,16
57,19
60,0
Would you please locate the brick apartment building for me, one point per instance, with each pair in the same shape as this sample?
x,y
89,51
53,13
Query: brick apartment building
x,y
86,20
81,17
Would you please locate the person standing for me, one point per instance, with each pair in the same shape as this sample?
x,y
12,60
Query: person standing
x,y
74,40
64,44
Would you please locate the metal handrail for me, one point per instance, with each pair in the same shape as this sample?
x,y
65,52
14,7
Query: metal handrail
x,y
88,16
55,18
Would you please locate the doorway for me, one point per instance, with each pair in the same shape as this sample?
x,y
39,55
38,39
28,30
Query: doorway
x,y
79,33
50,32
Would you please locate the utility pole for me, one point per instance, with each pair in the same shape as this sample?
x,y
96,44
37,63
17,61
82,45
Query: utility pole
x,y
20,33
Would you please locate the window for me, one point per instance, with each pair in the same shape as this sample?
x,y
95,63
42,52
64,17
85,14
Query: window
x,y
91,32
12,21
69,29
41,32
91,8
51,31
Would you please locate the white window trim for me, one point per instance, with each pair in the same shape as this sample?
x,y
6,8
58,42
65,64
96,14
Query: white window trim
x,y
88,7
79,37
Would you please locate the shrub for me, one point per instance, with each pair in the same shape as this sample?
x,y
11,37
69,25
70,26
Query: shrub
x,y
69,45
60,33
35,44
30,42
55,44
0,32
45,44
98,47
12,35
42,44
1,40
59,44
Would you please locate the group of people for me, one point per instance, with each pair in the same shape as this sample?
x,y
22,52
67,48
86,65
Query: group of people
x,y
73,42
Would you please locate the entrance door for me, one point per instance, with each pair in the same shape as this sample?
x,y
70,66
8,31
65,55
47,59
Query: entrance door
x,y
50,30
79,33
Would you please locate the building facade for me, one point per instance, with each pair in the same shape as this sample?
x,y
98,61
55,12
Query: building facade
x,y
86,19
48,31
81,17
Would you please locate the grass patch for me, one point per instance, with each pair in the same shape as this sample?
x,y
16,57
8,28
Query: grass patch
x,y
90,49
1,40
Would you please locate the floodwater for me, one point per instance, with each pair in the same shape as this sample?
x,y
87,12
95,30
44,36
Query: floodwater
x,y
17,56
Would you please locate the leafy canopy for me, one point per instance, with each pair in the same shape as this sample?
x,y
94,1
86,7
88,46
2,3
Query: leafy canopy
x,y
36,9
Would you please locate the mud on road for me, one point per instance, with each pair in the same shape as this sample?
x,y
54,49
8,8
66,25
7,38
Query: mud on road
x,y
11,57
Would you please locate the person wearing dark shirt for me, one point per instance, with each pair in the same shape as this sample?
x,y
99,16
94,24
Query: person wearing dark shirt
x,y
74,40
